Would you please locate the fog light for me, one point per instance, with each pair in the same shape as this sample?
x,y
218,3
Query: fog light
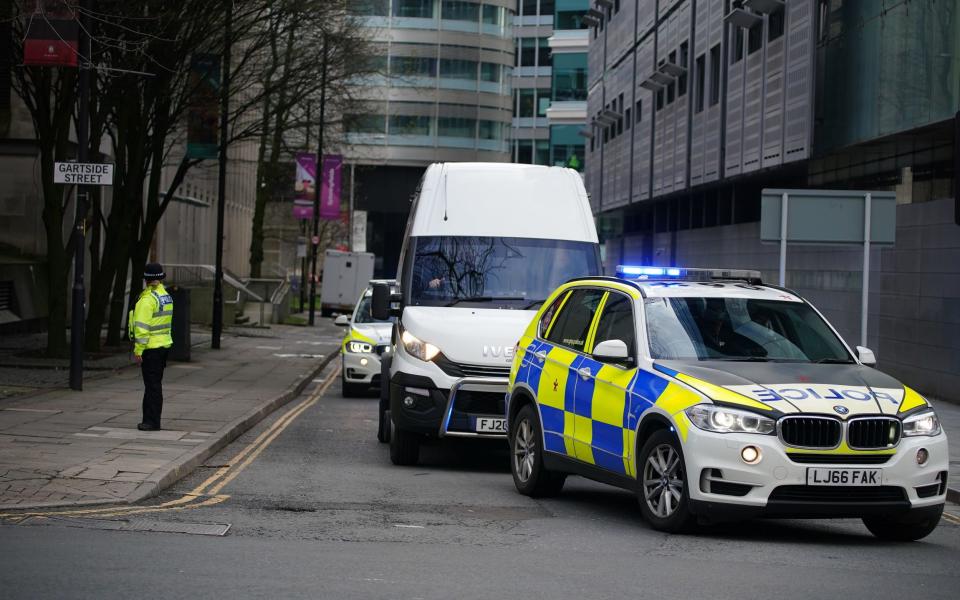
x,y
750,455
408,401
922,456
363,362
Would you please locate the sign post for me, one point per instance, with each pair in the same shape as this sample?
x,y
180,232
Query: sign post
x,y
832,217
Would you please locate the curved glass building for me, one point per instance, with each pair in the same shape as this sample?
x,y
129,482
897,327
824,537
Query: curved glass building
x,y
445,96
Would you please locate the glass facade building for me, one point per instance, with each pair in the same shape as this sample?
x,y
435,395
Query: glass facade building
x,y
550,82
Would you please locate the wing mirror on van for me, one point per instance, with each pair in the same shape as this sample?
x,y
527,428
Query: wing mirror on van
x,y
342,321
380,305
613,351
866,356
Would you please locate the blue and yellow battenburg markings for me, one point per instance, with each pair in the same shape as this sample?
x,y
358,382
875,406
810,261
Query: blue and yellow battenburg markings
x,y
595,419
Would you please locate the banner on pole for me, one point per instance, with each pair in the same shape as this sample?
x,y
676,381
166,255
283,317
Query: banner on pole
x,y
52,33
330,187
305,181
204,114
302,211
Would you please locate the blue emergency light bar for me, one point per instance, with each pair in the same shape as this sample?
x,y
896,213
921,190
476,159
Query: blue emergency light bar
x,y
647,273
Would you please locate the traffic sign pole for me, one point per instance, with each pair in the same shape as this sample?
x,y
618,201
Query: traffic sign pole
x,y
80,222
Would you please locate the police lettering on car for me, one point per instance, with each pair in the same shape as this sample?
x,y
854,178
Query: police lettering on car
x,y
714,396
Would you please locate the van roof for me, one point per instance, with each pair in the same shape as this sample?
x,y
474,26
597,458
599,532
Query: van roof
x,y
503,200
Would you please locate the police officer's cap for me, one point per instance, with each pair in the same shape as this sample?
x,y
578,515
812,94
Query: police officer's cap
x,y
153,271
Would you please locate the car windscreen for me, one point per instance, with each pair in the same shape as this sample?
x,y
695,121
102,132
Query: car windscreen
x,y
495,272
740,329
364,314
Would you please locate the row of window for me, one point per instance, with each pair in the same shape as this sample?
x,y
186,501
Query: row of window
x,y
529,102
533,52
452,10
457,127
569,326
450,68
567,14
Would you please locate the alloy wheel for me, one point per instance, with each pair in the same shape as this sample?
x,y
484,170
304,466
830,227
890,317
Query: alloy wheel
x,y
524,451
663,480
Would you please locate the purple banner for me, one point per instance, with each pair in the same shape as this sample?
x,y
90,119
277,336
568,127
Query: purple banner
x,y
302,211
306,176
330,187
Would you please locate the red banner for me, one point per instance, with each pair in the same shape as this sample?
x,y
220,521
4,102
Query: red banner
x,y
52,33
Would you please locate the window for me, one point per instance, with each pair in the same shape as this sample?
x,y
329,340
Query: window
x,y
409,125
638,115
736,52
627,119
546,53
755,38
572,323
541,152
616,323
490,72
543,102
570,77
660,96
715,75
700,76
491,130
684,62
528,52
526,97
422,9
525,152
372,8
671,87
569,19
413,66
619,109
456,127
547,7
458,69
365,123
775,25
458,10
528,7
492,15
548,315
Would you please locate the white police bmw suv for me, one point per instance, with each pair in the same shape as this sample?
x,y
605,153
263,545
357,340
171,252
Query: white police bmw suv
x,y
712,395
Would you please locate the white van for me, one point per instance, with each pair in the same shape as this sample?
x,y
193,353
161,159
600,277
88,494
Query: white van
x,y
485,245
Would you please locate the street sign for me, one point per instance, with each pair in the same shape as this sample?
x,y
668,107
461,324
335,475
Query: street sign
x,y
83,173
830,217
359,231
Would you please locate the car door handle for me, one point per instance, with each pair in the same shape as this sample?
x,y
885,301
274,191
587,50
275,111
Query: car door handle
x,y
584,373
541,355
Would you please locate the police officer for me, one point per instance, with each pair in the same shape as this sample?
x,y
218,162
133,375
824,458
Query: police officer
x,y
149,327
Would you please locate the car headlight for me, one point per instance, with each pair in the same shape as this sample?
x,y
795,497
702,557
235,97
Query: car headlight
x,y
359,347
922,423
417,347
711,417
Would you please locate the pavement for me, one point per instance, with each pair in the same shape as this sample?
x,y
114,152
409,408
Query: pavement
x,y
311,507
59,447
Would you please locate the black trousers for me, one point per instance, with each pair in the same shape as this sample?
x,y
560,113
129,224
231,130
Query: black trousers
x,y
154,362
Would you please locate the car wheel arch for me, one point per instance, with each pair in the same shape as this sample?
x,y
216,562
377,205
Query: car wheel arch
x,y
649,425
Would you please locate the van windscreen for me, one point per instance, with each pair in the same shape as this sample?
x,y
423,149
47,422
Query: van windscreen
x,y
495,272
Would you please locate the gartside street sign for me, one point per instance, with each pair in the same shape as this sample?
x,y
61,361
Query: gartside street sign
x,y
83,173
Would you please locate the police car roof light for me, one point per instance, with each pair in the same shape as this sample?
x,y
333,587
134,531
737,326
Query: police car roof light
x,y
646,273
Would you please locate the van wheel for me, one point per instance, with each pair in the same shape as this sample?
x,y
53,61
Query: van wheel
x,y
383,429
530,476
662,489
904,528
404,446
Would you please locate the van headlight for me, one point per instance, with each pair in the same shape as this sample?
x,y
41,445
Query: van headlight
x,y
359,347
922,423
720,419
417,347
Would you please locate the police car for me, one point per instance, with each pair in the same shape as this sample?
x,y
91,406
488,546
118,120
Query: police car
x,y
366,340
714,396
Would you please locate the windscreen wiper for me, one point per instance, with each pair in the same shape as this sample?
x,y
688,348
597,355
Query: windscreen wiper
x,y
456,301
833,361
741,358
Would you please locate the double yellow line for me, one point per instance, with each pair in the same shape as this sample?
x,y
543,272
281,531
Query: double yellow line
x,y
208,492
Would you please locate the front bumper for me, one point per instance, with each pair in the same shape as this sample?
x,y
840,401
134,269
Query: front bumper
x,y
721,483
441,405
361,368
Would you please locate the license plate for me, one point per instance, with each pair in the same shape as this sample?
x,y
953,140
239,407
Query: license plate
x,y
491,425
853,477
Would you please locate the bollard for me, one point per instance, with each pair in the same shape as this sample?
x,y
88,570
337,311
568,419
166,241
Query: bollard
x,y
181,324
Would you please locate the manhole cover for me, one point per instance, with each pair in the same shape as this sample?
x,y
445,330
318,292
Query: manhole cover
x,y
215,529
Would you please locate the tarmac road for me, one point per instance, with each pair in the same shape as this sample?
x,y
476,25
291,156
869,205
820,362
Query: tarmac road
x,y
316,510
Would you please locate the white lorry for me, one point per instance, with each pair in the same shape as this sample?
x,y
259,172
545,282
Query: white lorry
x,y
485,245
345,277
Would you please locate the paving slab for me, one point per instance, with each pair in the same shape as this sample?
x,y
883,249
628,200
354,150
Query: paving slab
x,y
65,448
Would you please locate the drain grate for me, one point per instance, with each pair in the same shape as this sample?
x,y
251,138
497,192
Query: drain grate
x,y
214,529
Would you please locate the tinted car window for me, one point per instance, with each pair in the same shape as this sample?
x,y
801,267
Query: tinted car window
x,y
616,322
573,321
551,312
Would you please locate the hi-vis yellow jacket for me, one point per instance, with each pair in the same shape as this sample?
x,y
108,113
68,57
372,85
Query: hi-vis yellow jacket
x,y
150,321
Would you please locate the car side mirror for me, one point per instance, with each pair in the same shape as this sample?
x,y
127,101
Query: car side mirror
x,y
612,351
342,321
380,303
866,356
